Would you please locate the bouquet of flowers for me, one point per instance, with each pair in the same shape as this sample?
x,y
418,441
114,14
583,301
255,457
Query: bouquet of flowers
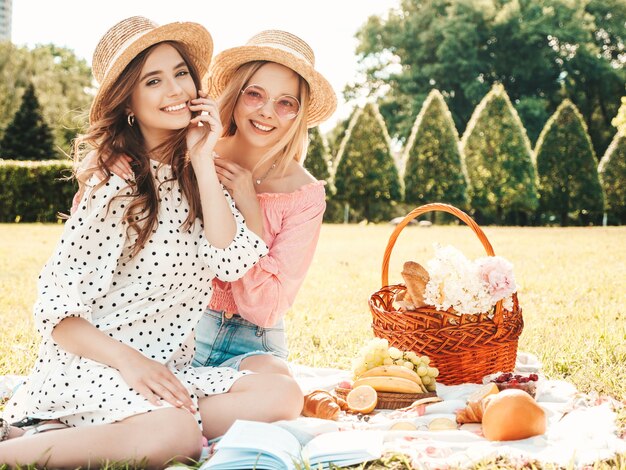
x,y
468,287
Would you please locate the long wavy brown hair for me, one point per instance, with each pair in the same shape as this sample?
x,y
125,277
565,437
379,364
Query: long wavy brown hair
x,y
111,137
293,143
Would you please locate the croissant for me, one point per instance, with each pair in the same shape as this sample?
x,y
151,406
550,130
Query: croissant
x,y
415,277
321,404
472,413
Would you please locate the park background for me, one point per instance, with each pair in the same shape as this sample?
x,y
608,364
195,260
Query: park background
x,y
511,110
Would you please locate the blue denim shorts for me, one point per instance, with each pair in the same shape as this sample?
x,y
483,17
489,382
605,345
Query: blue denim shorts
x,y
225,342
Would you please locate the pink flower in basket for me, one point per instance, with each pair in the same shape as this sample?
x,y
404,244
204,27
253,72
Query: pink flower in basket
x,y
497,273
468,287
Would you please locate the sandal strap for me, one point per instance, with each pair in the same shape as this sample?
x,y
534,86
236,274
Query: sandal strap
x,y
4,430
45,428
26,422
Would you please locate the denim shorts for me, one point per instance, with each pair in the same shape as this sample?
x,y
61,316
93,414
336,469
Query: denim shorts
x,y
225,342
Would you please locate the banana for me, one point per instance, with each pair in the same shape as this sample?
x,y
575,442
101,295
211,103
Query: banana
x,y
394,371
389,384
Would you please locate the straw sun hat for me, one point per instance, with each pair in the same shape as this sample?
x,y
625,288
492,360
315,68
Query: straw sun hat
x,y
128,38
286,49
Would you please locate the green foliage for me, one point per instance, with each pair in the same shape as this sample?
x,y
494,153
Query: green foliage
x,y
541,50
63,83
499,162
316,160
612,171
336,136
434,170
569,186
367,176
34,191
27,136
619,121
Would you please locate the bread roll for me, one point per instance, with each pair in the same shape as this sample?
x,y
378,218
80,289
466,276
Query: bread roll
x,y
511,415
321,404
415,277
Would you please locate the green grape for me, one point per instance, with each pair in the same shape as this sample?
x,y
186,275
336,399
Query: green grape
x,y
387,361
398,362
433,372
431,387
422,371
408,365
394,353
426,380
425,360
410,356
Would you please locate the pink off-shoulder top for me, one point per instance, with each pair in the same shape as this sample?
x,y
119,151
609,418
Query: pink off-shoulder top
x,y
292,224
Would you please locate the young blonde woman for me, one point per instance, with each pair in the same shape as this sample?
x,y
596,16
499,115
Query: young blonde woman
x,y
120,297
269,95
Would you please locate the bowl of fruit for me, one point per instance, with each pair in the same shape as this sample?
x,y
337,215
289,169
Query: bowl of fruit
x,y
399,377
506,380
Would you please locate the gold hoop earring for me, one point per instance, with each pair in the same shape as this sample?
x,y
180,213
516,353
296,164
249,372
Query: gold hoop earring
x,y
131,120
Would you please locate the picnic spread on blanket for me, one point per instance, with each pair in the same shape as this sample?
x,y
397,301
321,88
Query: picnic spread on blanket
x,y
441,381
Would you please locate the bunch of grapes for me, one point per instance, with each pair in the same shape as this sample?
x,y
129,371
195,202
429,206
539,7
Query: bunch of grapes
x,y
378,353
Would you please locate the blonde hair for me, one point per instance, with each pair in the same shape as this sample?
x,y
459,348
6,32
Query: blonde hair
x,y
111,137
293,144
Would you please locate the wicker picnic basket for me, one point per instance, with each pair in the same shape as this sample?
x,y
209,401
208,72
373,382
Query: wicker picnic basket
x,y
464,348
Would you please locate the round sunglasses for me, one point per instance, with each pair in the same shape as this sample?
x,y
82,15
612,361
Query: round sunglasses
x,y
285,106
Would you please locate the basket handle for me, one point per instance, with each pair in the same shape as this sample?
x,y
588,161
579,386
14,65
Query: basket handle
x,y
497,318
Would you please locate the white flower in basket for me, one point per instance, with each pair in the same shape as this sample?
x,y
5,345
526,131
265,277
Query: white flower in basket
x,y
468,287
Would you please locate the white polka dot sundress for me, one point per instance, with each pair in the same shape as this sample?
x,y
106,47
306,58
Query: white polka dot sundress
x,y
151,302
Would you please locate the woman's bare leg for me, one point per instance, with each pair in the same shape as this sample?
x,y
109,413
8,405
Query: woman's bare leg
x,y
158,437
265,363
255,397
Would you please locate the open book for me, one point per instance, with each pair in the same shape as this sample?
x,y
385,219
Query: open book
x,y
263,446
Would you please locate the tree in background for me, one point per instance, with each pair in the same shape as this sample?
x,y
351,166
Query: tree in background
x,y
316,160
62,81
366,177
499,162
336,136
433,164
620,120
28,137
567,167
542,51
612,171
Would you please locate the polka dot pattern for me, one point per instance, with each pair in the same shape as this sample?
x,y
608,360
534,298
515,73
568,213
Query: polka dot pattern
x,y
151,302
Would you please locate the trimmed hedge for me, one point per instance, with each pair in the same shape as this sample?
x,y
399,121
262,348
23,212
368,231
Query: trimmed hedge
x,y
35,191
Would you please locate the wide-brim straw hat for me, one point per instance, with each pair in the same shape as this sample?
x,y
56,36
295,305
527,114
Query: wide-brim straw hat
x,y
128,38
286,49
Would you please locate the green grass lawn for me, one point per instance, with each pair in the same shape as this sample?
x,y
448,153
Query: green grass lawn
x,y
572,291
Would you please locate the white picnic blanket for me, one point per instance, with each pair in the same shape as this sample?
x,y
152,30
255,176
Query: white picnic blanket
x,y
581,428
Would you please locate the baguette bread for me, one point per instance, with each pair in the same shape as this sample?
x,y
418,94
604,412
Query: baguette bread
x,y
415,277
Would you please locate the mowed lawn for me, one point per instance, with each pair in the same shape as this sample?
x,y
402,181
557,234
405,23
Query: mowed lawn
x,y
572,288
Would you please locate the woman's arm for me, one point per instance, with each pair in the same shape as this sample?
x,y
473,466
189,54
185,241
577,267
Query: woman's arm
x,y
265,293
204,131
150,378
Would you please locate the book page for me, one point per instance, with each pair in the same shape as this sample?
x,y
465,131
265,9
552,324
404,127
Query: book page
x,y
245,440
344,447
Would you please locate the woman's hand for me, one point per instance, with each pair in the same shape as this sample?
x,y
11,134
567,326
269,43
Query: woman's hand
x,y
237,180
120,165
155,382
204,129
